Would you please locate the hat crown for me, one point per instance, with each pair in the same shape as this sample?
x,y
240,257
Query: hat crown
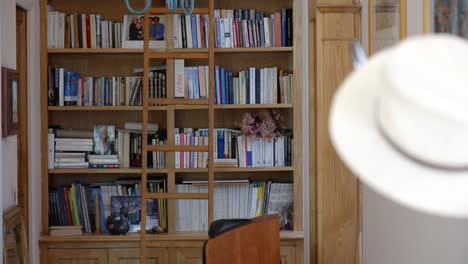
x,y
432,72
423,107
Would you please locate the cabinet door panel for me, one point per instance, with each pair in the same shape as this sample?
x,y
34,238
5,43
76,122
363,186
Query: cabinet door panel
x,y
189,255
77,256
132,256
288,255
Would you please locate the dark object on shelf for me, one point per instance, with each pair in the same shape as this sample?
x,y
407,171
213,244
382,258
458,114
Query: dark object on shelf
x,y
118,224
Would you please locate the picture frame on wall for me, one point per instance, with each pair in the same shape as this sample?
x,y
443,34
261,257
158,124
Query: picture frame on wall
x,y
446,16
10,90
15,238
387,23
133,30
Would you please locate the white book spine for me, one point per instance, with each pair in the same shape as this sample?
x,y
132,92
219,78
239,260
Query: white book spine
x,y
176,35
188,27
266,26
179,75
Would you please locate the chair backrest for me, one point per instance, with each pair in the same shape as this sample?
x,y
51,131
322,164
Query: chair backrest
x,y
257,242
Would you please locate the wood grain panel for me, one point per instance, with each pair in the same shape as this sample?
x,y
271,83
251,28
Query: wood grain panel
x,y
288,254
337,188
77,256
132,255
188,255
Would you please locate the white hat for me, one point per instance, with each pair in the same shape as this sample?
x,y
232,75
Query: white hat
x,y
400,123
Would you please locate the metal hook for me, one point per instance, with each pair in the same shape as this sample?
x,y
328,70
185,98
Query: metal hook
x,y
138,12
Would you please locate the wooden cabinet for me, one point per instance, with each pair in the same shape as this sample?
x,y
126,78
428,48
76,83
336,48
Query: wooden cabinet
x,y
288,254
132,256
189,255
77,256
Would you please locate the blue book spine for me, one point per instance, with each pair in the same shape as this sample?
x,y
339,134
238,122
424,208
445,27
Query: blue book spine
x,y
98,31
231,87
194,31
106,93
102,216
249,154
217,101
223,86
283,27
66,87
196,85
220,144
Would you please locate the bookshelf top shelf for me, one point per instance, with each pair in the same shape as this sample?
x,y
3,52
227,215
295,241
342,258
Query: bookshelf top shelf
x,y
140,51
201,236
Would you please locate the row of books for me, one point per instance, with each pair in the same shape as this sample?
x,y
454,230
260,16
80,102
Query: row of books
x,y
191,137
191,31
253,86
129,148
248,28
82,31
260,152
234,200
190,82
75,205
69,152
66,88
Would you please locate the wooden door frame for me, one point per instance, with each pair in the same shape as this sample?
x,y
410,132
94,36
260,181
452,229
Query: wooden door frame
x,y
22,69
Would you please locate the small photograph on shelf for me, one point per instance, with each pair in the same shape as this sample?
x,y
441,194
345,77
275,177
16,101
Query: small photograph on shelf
x,y
104,140
133,34
132,205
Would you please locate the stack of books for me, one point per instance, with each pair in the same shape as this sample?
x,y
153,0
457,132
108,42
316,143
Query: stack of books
x,y
65,230
82,31
225,148
234,200
191,82
70,152
248,28
103,161
191,31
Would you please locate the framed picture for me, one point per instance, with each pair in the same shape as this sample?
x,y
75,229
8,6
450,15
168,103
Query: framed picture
x,y
15,240
387,23
446,16
10,88
133,29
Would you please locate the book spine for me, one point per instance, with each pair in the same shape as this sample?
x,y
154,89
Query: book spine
x,y
184,31
289,41
98,31
88,31
193,21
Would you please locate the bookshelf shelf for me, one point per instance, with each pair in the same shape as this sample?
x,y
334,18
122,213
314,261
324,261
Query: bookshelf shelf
x,y
140,51
164,108
254,50
178,236
94,171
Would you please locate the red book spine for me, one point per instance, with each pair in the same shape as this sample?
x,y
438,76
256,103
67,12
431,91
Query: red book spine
x,y
234,33
67,203
88,32
202,30
278,29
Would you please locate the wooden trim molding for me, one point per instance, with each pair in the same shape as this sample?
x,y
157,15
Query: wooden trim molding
x,y
339,8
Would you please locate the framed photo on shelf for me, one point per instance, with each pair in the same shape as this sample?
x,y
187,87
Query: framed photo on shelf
x,y
387,23
15,238
10,88
133,29
446,16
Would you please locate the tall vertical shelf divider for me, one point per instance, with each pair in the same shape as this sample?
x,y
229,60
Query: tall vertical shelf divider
x,y
173,246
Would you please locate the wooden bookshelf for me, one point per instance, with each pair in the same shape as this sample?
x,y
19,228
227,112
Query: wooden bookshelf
x,y
172,247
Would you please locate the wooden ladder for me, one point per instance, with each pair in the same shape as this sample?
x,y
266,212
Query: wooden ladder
x,y
170,54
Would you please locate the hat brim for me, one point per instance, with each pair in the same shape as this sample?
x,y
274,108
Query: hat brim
x,y
358,141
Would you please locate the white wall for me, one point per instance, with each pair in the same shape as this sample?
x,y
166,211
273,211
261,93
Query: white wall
x,y
8,146
395,234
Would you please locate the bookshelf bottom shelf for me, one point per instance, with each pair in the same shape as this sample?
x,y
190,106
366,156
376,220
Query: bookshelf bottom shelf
x,y
182,236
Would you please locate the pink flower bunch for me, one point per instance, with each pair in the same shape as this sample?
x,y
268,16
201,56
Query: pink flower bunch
x,y
262,124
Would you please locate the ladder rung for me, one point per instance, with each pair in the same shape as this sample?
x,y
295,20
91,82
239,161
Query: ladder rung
x,y
178,196
176,101
168,148
178,55
163,10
